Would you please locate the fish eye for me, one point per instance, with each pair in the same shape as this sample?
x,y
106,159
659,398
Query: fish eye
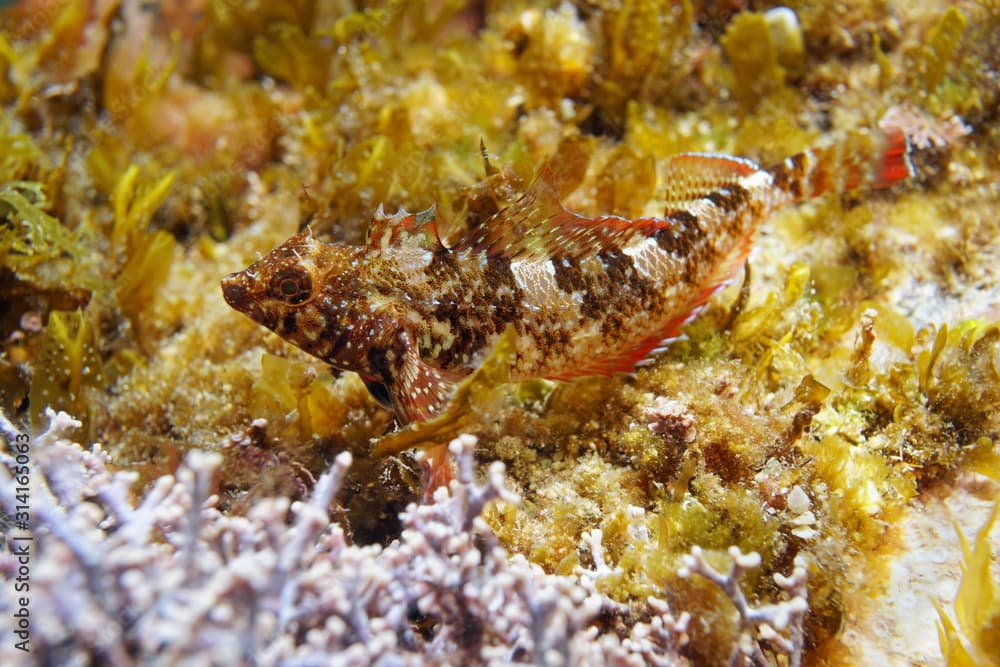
x,y
292,287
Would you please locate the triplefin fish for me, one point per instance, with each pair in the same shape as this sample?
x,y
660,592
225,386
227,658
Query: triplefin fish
x,y
584,295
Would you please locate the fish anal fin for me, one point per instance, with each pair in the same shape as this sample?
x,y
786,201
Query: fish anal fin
x,y
626,360
403,229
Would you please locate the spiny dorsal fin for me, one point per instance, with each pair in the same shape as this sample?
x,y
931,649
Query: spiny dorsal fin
x,y
517,230
537,226
403,229
691,176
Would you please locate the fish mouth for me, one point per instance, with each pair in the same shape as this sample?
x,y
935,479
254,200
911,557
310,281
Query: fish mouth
x,y
235,292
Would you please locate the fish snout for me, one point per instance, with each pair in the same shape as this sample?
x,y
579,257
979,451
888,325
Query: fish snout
x,y
235,292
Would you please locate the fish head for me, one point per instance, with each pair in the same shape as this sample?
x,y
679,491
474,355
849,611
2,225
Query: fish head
x,y
307,292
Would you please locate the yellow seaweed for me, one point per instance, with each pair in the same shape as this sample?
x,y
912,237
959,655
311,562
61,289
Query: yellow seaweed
x,y
146,254
753,57
970,637
32,237
67,368
942,44
250,120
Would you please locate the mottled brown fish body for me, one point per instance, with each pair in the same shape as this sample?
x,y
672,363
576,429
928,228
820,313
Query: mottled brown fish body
x,y
585,296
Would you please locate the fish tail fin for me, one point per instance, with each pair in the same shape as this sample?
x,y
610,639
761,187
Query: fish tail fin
x,y
867,162
895,165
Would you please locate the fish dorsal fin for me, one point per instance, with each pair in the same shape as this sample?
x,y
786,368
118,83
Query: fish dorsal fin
x,y
691,176
403,229
538,226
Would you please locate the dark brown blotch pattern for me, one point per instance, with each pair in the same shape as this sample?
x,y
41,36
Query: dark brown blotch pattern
x,y
789,175
731,198
678,237
569,276
289,327
623,292
465,291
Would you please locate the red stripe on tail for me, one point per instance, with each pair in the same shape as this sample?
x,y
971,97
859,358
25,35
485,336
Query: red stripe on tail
x,y
895,165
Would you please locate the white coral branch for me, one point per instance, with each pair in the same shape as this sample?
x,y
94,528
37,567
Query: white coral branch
x,y
780,625
171,579
312,519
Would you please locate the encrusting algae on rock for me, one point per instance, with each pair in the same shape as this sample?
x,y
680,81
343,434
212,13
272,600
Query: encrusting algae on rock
x,y
150,149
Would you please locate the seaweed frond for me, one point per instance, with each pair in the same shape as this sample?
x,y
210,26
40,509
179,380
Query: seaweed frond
x,y
971,637
67,368
754,58
29,236
146,255
942,44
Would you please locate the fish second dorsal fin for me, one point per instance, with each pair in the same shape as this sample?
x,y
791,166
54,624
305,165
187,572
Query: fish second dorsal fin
x,y
403,229
691,176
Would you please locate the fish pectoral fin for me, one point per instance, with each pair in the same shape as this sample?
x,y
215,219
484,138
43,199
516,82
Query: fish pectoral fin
x,y
417,390
476,396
